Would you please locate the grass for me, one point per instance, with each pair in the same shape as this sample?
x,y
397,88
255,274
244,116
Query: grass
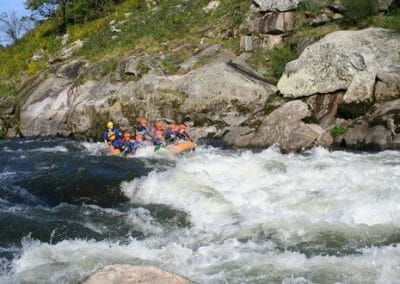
x,y
338,131
272,61
145,30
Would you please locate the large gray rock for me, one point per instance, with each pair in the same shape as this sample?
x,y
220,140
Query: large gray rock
x,y
130,274
276,5
285,128
204,54
388,84
345,60
214,94
384,4
217,86
45,108
71,69
377,131
269,23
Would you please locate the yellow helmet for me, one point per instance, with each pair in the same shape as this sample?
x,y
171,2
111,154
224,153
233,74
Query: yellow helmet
x,y
110,124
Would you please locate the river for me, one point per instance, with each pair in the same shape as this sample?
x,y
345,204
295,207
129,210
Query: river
x,y
214,216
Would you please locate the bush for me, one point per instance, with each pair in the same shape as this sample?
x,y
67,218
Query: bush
x,y
338,131
279,58
358,10
310,6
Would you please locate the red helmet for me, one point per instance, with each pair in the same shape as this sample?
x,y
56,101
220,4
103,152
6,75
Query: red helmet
x,y
159,132
158,125
143,121
127,135
171,126
181,126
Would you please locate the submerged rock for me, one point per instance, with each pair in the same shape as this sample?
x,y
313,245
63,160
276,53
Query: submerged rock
x,y
130,274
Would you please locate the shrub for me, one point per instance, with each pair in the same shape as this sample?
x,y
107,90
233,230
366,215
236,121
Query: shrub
x,y
338,131
310,6
279,58
358,10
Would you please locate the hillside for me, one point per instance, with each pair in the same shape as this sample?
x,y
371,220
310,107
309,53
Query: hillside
x,y
157,53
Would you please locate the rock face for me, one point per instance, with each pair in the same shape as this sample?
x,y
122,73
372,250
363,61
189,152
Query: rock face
x,y
285,127
345,60
388,84
129,274
203,95
276,5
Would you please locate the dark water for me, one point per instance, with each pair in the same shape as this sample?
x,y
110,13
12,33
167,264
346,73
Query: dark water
x,y
50,190
215,216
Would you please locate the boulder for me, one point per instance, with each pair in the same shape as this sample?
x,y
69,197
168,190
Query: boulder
x,y
324,108
344,60
268,23
384,4
67,51
217,85
137,66
276,5
211,6
276,23
388,115
45,108
204,54
388,84
130,274
246,43
285,128
71,70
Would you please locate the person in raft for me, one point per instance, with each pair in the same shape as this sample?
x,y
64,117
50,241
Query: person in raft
x,y
142,129
181,133
131,144
112,137
170,134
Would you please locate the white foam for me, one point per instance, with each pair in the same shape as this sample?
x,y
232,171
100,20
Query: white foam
x,y
50,149
227,260
223,187
246,210
94,149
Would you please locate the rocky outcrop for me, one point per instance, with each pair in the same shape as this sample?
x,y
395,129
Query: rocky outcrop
x,y
388,84
285,128
345,60
130,274
276,5
204,96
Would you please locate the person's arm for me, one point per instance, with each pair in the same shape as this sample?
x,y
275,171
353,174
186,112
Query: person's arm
x,y
105,136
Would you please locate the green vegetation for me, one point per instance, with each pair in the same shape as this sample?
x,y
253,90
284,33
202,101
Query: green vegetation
x,y
273,102
310,6
338,131
173,28
65,12
280,57
272,61
357,10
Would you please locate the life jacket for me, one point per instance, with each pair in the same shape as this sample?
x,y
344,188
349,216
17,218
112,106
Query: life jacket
x,y
183,136
170,135
111,136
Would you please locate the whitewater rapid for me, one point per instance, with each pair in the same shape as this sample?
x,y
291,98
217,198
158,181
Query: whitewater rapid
x,y
243,217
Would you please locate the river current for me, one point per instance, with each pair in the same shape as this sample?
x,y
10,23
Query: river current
x,y
214,216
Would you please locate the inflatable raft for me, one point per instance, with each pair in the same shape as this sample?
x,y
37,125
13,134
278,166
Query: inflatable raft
x,y
182,147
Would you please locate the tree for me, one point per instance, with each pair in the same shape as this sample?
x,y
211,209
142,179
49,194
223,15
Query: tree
x,y
49,8
13,27
71,11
